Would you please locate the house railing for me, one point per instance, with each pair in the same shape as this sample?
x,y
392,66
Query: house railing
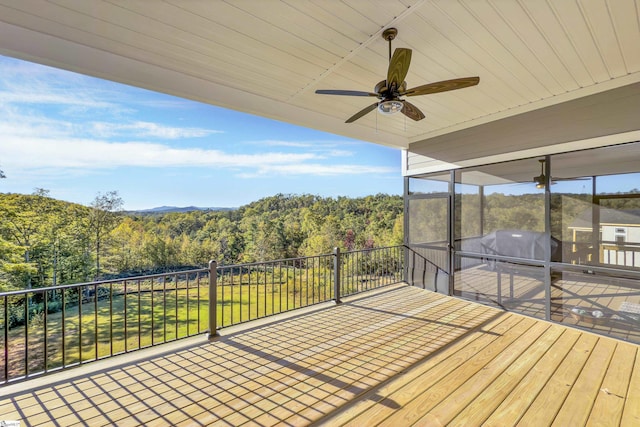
x,y
47,329
624,254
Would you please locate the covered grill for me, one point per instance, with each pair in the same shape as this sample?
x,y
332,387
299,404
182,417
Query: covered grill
x,y
519,244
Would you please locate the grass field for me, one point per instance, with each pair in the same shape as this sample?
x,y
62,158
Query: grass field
x,y
102,327
136,314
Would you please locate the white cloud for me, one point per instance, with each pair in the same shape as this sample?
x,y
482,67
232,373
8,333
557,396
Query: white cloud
x,y
53,157
16,125
44,101
339,153
70,100
275,143
26,84
148,130
317,169
327,148
35,153
16,121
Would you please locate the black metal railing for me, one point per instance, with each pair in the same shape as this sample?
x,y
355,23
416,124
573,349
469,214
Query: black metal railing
x,y
48,329
251,291
368,269
247,292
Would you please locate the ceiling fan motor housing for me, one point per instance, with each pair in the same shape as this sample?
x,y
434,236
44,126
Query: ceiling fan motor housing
x,y
387,93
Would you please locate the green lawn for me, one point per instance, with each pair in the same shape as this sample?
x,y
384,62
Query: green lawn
x,y
141,319
153,313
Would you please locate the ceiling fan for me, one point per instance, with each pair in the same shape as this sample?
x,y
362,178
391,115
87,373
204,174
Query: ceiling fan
x,y
390,91
540,180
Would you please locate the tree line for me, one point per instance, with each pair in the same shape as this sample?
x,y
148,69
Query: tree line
x,y
49,242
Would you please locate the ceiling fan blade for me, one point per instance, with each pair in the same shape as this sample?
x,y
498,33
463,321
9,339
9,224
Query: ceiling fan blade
x,y
398,67
362,113
412,111
345,92
442,86
570,179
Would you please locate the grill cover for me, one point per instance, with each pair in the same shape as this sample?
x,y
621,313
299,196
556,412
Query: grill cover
x,y
519,244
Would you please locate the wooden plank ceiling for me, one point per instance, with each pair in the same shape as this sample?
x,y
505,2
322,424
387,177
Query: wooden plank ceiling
x,y
268,57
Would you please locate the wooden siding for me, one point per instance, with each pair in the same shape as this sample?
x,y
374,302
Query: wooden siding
x,y
403,356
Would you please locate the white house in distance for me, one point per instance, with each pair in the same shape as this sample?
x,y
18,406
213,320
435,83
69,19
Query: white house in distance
x,y
618,240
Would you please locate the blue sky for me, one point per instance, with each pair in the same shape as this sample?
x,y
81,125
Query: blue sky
x,y
77,136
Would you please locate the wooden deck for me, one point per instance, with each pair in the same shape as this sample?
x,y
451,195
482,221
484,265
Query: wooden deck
x,y
400,357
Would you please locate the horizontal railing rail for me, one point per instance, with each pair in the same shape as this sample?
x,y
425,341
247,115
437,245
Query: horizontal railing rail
x,y
47,329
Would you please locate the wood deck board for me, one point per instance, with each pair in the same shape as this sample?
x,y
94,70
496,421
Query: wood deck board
x,y
631,412
488,399
379,396
520,399
354,360
545,407
468,345
610,401
398,357
444,390
578,404
402,391
469,395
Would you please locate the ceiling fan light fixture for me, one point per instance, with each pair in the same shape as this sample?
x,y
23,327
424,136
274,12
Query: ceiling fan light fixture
x,y
390,107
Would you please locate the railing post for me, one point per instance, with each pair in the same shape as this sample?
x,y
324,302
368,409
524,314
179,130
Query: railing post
x,y
337,265
213,299
6,339
405,263
413,268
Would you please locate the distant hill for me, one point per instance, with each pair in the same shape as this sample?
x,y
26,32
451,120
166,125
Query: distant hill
x,y
169,209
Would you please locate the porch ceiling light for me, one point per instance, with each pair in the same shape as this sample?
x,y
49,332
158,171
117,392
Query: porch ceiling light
x,y
390,107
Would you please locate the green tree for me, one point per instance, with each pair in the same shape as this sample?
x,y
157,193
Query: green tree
x,y
128,246
104,216
14,272
22,225
161,252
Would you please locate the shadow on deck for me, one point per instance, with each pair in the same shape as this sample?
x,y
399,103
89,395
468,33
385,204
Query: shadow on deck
x,y
396,357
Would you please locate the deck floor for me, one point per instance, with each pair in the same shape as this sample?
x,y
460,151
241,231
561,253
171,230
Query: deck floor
x,y
400,357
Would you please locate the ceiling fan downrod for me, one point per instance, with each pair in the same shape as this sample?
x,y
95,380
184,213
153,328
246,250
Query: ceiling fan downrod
x,y
389,34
